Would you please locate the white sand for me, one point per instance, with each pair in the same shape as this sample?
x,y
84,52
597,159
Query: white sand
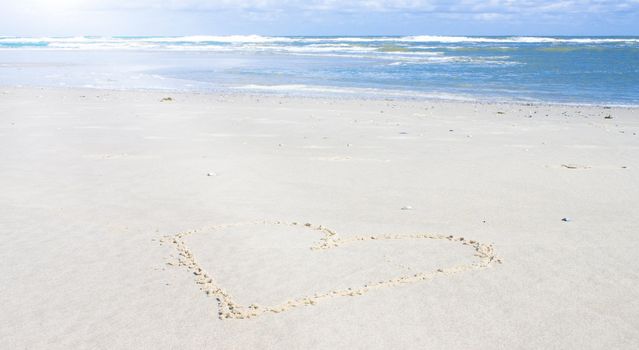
x,y
97,184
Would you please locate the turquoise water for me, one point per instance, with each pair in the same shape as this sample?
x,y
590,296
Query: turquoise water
x,y
600,70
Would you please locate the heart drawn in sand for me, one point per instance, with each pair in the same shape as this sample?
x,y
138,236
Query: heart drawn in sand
x,y
230,308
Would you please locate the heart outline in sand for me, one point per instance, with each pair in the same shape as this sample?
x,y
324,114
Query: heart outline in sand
x,y
229,309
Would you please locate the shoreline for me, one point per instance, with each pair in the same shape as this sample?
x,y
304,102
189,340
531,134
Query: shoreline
x,y
226,92
538,70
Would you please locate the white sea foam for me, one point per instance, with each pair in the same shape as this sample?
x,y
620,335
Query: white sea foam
x,y
304,89
220,39
519,39
206,41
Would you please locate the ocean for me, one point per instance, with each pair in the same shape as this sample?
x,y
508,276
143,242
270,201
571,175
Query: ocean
x,y
570,70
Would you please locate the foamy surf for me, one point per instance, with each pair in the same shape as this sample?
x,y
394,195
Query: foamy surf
x,y
318,90
204,41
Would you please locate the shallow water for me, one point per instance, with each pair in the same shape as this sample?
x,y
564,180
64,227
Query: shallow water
x,y
601,70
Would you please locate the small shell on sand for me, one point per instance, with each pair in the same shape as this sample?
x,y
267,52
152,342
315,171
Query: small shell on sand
x,y
574,166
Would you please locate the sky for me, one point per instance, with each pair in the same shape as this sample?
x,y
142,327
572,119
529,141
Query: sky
x,y
318,17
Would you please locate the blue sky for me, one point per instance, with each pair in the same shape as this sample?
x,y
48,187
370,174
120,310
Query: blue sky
x,y
318,17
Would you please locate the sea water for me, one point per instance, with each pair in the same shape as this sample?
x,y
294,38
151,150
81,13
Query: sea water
x,y
593,70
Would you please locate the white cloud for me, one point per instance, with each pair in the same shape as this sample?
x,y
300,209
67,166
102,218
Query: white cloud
x,y
320,16
487,7
484,9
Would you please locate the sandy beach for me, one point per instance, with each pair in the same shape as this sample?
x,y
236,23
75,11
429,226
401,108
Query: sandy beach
x,y
153,220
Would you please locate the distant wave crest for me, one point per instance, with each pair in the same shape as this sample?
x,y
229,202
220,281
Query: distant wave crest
x,y
202,40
